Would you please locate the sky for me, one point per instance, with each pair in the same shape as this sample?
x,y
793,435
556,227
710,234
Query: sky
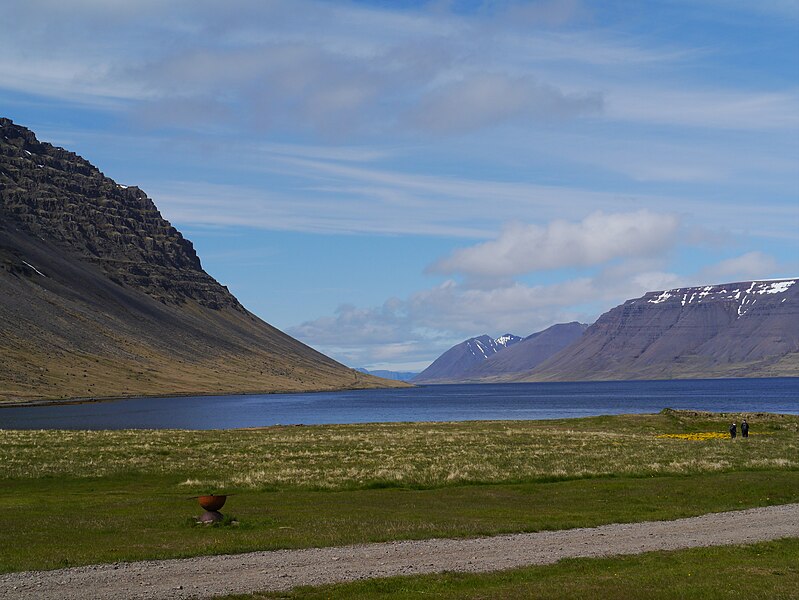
x,y
383,180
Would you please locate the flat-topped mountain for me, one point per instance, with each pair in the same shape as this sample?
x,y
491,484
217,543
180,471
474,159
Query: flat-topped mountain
x,y
101,296
744,329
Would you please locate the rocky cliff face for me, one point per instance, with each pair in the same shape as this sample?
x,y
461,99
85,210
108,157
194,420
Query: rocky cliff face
x,y
56,195
735,329
100,296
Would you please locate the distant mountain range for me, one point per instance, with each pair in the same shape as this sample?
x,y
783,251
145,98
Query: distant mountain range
x,y
456,362
744,329
100,296
483,359
391,375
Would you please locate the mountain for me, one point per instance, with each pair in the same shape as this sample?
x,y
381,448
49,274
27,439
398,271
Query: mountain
x,y
392,375
457,361
744,329
516,357
101,297
526,354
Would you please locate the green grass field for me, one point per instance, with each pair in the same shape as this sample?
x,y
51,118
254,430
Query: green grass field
x,y
84,497
768,571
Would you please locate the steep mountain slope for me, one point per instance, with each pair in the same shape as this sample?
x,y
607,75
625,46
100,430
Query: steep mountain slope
x,y
100,296
745,329
460,359
527,354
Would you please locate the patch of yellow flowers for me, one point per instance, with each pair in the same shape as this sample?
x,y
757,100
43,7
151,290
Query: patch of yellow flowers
x,y
701,436
704,435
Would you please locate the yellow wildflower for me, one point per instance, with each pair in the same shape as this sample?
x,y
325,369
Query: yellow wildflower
x,y
699,436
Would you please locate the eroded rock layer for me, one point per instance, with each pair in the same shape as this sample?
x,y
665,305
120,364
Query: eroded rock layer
x,y
56,195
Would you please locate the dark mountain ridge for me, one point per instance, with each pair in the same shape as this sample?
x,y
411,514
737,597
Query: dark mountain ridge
x,y
101,297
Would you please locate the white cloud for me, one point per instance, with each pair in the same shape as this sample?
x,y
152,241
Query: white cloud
x,y
344,194
426,323
546,12
781,9
752,265
719,108
422,326
484,99
512,306
330,68
595,240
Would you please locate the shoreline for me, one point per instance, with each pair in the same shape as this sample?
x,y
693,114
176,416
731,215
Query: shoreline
x,y
100,399
398,385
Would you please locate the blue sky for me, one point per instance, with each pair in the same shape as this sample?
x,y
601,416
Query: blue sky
x,y
385,179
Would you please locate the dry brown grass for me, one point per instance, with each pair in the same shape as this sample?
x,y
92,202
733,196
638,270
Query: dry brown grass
x,y
402,454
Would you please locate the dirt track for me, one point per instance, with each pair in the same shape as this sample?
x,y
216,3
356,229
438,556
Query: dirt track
x,y
209,576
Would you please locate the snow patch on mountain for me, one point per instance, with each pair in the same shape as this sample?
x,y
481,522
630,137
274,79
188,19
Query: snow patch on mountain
x,y
745,294
507,340
483,347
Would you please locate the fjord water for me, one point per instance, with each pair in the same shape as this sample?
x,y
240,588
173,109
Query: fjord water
x,y
428,403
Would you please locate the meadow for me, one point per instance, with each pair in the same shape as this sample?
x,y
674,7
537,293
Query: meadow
x,y
82,497
767,571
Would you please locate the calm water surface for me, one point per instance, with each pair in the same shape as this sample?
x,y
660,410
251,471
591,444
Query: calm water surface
x,y
429,403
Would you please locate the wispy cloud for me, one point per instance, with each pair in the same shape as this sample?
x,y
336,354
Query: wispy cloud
x,y
599,238
771,8
721,108
488,99
334,69
352,196
750,265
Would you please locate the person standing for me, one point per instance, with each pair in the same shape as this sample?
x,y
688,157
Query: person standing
x,y
744,429
733,431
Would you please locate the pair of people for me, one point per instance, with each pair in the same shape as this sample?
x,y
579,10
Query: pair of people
x,y
744,429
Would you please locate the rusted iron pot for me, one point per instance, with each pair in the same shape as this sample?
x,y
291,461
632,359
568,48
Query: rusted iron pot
x,y
212,502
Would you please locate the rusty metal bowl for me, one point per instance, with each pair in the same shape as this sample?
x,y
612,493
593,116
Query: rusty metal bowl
x,y
212,502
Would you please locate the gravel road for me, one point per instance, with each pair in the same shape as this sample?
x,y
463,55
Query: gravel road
x,y
209,576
